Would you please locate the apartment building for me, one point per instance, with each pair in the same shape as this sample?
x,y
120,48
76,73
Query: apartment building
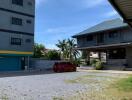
x,y
16,33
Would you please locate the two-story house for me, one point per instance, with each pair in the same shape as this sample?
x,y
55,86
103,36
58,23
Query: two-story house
x,y
113,37
16,33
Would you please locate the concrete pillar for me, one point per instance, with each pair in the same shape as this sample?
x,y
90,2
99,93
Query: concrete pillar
x,y
129,56
99,53
88,57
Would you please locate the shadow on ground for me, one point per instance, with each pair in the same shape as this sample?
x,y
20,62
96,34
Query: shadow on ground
x,y
25,73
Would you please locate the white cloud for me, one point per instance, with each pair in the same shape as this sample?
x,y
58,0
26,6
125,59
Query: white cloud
x,y
111,14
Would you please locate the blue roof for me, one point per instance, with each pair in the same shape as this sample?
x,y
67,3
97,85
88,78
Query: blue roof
x,y
104,26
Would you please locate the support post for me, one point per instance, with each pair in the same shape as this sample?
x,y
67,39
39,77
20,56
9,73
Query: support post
x,y
88,57
99,55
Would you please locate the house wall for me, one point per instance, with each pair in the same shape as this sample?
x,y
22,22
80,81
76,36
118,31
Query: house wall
x,y
82,42
26,8
15,56
5,42
5,22
9,30
124,35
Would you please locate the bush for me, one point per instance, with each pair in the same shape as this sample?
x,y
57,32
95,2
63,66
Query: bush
x,y
93,62
52,55
76,62
99,65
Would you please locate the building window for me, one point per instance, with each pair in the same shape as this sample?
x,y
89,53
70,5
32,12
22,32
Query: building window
x,y
90,38
28,40
29,21
16,21
16,41
18,2
30,3
113,34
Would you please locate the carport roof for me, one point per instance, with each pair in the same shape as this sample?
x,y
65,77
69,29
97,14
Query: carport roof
x,y
104,26
124,7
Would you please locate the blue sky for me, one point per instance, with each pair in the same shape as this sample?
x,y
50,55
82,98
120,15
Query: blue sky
x,y
61,19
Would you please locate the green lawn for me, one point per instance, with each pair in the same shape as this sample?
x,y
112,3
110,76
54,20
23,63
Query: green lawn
x,y
124,84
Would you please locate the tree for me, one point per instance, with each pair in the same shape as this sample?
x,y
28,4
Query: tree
x,y
67,48
38,50
62,46
73,53
53,55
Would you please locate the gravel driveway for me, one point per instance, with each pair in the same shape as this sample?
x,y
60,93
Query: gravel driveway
x,y
48,86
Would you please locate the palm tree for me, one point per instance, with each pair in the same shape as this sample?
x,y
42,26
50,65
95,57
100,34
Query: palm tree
x,y
73,53
67,48
62,46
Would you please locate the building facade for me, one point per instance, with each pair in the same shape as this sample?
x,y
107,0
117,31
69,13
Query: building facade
x,y
112,39
16,33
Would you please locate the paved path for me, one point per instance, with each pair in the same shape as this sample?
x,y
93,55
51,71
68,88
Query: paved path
x,y
44,87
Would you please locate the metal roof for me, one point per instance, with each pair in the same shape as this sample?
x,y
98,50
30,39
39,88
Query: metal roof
x,y
105,46
124,7
104,26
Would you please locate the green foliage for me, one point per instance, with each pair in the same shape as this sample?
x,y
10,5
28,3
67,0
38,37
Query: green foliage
x,y
97,64
52,55
77,62
67,48
93,62
125,84
38,50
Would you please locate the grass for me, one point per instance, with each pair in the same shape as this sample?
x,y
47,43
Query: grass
x,y
124,84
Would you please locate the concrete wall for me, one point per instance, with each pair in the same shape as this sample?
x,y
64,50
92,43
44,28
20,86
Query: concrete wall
x,y
116,62
42,64
6,25
5,42
5,22
26,8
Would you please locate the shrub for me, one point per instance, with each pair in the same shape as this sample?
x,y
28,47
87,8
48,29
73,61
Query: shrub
x,y
76,62
93,62
52,55
99,65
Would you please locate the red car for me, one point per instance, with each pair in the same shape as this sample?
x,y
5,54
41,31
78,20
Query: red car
x,y
64,67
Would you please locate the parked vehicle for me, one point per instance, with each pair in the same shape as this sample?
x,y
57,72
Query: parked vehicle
x,y
64,67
